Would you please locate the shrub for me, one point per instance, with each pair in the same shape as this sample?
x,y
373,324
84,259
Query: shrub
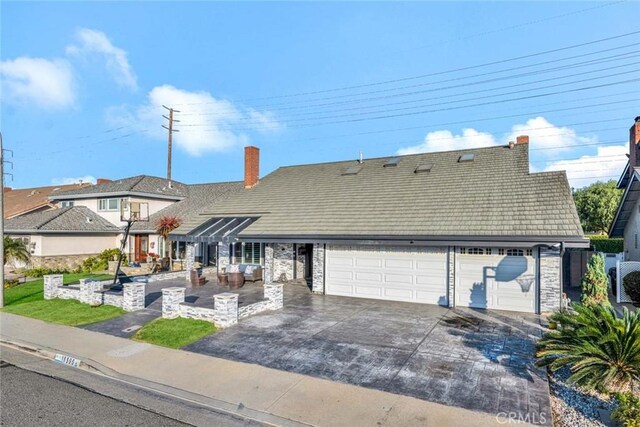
x,y
603,243
101,261
631,283
595,284
603,350
628,410
42,271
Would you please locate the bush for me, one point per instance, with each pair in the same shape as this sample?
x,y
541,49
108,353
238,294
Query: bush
x,y
602,349
595,284
631,283
628,410
42,271
603,243
101,261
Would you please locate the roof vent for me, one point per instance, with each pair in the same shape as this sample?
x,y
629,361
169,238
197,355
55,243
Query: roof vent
x,y
469,157
392,162
89,220
352,170
423,167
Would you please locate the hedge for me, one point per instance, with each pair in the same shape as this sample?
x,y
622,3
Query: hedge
x,y
602,243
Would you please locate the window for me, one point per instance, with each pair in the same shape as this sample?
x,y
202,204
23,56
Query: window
x,y
529,252
110,204
248,252
66,203
515,252
475,251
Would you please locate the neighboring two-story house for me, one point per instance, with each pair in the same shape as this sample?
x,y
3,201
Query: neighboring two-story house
x,y
24,201
88,220
626,223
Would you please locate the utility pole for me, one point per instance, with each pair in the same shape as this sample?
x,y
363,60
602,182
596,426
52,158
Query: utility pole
x,y
2,260
171,131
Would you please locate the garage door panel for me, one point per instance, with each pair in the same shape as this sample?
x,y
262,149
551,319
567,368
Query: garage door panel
x,y
399,274
494,282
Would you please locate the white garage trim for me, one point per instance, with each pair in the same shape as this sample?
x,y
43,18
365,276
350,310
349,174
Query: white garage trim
x,y
388,272
497,278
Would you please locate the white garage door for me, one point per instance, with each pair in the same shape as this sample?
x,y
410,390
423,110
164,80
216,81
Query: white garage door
x,y
389,273
504,279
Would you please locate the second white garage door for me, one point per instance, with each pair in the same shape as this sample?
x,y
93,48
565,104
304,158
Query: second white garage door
x,y
502,279
389,273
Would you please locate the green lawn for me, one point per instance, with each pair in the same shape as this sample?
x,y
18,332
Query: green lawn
x,y
65,312
33,291
28,300
174,333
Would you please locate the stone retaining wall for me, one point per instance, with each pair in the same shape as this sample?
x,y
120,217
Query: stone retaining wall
x,y
92,292
225,311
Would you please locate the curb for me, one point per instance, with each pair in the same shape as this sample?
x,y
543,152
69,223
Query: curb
x,y
96,368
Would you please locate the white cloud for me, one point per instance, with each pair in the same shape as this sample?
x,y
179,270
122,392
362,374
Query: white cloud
x,y
445,140
73,180
43,82
206,123
93,42
543,134
607,162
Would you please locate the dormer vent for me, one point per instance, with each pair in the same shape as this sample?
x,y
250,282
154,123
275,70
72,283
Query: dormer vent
x,y
392,162
423,167
469,157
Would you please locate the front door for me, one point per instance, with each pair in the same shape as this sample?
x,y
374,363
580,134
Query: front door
x,y
141,247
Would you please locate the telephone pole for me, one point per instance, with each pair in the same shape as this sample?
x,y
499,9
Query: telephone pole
x,y
2,260
171,131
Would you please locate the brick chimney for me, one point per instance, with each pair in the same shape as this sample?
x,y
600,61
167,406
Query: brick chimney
x,y
522,139
251,166
7,189
634,147
102,181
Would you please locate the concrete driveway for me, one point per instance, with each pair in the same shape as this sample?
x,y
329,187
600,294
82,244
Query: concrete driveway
x,y
479,360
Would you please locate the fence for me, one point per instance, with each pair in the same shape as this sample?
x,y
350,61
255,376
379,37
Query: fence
x,y
624,268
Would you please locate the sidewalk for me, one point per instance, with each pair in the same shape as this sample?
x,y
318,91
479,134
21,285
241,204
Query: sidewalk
x,y
252,391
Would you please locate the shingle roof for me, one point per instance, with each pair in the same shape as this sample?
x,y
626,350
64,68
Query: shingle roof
x,y
24,200
494,195
70,219
141,184
199,196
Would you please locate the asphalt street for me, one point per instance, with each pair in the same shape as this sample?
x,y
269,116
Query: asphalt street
x,y
38,392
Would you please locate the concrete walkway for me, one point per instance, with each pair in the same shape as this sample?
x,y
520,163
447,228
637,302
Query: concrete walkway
x,y
263,394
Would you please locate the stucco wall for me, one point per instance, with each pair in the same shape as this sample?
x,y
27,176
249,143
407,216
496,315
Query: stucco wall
x,y
76,244
632,235
114,216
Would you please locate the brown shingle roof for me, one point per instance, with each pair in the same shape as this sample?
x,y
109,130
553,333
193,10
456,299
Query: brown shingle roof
x,y
25,200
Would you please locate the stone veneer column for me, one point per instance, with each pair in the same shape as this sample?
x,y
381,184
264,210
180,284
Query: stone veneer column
x,y
283,261
223,255
171,300
451,261
190,258
133,296
268,263
51,283
550,280
274,292
88,291
317,269
225,308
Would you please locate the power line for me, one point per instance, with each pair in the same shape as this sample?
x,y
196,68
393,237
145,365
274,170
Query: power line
x,y
441,72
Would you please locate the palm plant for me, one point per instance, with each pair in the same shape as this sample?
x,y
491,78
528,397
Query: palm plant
x,y
164,226
15,250
601,349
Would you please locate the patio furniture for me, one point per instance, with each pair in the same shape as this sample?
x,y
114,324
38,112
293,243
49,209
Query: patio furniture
x,y
236,280
196,278
223,279
252,272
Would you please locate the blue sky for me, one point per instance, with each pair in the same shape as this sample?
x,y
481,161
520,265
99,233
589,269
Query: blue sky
x,y
82,84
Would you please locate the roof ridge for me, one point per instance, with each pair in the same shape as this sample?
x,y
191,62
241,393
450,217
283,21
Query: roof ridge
x,y
62,211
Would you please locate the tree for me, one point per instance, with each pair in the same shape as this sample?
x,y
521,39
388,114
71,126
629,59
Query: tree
x,y
15,250
602,349
597,205
165,225
595,284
